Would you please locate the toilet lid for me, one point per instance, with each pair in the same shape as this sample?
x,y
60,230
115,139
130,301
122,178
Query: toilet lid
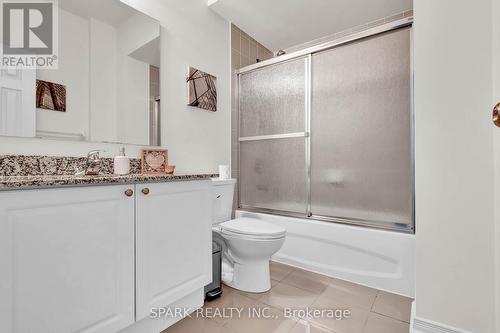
x,y
253,227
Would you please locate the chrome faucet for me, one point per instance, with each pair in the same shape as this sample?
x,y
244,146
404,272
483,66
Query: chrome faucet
x,y
92,165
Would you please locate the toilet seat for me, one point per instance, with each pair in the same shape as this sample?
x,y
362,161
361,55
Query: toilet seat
x,y
251,228
227,233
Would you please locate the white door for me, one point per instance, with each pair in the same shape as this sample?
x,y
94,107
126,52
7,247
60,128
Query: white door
x,y
496,149
66,260
17,102
173,242
454,167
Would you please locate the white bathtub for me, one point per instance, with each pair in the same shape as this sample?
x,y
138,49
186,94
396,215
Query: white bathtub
x,y
375,258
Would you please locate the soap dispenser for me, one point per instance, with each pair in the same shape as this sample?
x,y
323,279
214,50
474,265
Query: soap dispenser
x,y
122,163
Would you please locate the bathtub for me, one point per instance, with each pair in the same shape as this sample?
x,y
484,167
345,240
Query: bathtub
x,y
376,258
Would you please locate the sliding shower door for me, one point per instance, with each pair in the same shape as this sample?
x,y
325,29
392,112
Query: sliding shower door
x,y
273,137
361,141
328,135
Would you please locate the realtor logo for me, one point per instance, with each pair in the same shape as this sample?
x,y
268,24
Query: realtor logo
x,y
29,33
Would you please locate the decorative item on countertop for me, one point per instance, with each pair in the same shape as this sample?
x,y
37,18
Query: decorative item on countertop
x,y
202,91
224,172
170,169
154,161
121,163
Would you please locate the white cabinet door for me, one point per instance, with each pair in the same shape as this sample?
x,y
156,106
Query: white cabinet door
x,y
173,242
66,260
17,102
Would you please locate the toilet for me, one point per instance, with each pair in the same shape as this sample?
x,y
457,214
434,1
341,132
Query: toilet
x,y
247,243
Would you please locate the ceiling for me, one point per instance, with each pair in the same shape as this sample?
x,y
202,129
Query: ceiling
x,y
280,24
112,12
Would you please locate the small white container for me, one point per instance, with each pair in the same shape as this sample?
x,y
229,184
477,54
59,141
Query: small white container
x,y
224,172
122,163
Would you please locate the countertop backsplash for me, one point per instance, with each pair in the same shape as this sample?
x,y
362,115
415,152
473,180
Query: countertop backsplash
x,y
27,165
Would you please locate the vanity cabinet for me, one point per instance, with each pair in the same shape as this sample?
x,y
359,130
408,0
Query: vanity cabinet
x,y
66,260
96,259
173,242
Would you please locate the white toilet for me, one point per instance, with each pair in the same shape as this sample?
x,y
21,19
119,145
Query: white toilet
x,y
247,243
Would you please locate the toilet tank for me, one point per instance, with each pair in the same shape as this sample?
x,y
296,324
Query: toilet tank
x,y
223,194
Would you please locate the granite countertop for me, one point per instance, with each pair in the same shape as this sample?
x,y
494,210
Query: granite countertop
x,y
49,181
24,172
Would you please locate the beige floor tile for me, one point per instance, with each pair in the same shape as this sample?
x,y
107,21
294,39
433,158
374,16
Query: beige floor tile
x,y
392,305
286,296
198,325
306,280
300,289
279,271
230,299
347,293
255,296
262,318
380,324
307,327
353,322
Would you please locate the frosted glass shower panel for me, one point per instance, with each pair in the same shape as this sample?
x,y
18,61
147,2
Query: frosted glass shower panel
x,y
361,166
272,174
273,98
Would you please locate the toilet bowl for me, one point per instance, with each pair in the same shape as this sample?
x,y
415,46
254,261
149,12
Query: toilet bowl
x,y
247,243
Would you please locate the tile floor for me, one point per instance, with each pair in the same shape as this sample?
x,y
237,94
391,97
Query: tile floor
x,y
370,310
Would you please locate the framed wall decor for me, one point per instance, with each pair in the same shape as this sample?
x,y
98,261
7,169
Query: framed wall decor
x,y
154,161
202,90
50,96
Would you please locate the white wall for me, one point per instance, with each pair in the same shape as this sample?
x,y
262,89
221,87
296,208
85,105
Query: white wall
x,y
103,76
136,31
133,100
193,36
197,140
454,164
120,114
73,72
133,79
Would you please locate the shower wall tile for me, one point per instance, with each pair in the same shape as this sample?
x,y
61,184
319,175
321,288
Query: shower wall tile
x,y
263,53
234,139
245,46
234,160
235,60
235,38
253,50
408,13
245,61
247,49
244,51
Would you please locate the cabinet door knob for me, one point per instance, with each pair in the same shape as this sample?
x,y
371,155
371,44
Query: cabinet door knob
x,y
145,191
129,193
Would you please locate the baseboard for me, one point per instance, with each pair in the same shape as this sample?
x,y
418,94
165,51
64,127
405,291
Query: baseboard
x,y
420,325
412,316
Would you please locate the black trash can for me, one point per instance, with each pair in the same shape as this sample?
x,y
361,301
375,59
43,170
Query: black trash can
x,y
214,290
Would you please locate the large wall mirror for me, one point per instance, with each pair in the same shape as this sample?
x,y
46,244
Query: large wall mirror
x,y
106,87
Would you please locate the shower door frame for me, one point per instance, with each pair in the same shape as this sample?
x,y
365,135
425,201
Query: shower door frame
x,y
307,53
